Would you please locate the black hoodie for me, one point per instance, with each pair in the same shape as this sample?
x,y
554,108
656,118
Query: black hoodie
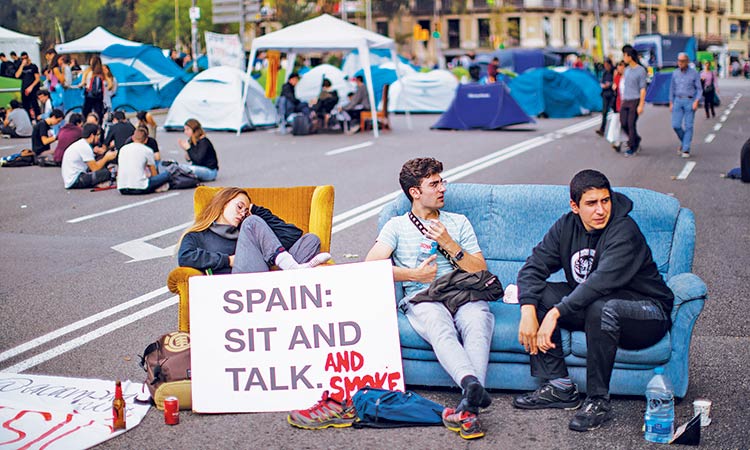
x,y
596,263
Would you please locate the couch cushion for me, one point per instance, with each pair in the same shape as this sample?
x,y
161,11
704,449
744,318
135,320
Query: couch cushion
x,y
654,355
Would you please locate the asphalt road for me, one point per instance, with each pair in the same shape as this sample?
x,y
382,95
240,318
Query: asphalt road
x,y
59,266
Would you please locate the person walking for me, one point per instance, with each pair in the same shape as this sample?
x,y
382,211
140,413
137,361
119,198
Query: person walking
x,y
608,94
684,92
709,83
633,98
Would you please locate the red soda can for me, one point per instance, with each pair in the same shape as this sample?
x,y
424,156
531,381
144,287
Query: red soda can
x,y
171,411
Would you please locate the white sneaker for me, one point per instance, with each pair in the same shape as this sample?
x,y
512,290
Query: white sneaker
x,y
686,154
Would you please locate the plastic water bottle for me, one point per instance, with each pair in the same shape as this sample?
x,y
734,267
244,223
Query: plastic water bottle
x,y
427,248
659,416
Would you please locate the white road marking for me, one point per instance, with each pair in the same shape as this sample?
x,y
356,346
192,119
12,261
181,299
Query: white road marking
x,y
710,138
723,119
717,127
90,336
689,166
140,250
124,207
6,147
349,148
80,324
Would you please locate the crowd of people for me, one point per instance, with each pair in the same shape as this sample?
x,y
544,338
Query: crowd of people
x,y
624,92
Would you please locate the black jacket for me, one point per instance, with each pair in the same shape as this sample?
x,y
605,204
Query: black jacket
x,y
203,154
207,250
595,263
287,91
456,288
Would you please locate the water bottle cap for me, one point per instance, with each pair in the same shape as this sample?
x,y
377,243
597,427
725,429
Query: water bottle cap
x,y
659,370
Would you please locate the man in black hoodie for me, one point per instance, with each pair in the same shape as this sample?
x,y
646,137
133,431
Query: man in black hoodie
x,y
613,292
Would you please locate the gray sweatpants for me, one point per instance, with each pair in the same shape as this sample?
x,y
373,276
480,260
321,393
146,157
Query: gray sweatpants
x,y
257,245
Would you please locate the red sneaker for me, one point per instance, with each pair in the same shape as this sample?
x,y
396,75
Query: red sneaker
x,y
328,412
464,423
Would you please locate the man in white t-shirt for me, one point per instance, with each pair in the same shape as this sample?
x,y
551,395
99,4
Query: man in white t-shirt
x,y
461,342
136,171
80,168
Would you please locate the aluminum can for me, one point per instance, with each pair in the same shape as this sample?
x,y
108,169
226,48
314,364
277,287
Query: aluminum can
x,y
171,411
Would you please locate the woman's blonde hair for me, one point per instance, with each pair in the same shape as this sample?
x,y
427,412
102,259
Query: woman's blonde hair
x,y
198,132
214,209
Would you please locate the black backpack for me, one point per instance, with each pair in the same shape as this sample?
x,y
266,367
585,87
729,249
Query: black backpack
x,y
95,90
301,125
179,177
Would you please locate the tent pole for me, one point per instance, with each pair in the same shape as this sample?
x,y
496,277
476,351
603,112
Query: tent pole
x,y
364,58
394,57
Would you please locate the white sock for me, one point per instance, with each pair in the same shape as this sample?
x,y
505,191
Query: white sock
x,y
286,261
317,260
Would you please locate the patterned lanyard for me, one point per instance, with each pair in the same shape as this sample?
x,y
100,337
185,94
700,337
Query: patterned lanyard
x,y
423,230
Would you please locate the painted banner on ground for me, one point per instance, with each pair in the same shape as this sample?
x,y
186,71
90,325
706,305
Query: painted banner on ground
x,y
275,341
224,50
38,411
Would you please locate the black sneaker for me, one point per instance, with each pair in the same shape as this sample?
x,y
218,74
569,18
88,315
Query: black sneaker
x,y
548,396
593,414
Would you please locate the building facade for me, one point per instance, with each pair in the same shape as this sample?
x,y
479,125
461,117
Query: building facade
x,y
482,25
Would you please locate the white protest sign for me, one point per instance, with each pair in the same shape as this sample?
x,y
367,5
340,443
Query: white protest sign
x,y
38,411
275,341
224,50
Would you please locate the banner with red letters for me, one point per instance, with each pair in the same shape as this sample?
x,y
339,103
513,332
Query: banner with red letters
x,y
275,341
38,411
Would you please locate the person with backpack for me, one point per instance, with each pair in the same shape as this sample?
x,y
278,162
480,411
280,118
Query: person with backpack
x,y
199,152
234,235
93,88
461,340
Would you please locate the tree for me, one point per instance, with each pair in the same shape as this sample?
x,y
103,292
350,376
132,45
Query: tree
x,y
155,22
289,12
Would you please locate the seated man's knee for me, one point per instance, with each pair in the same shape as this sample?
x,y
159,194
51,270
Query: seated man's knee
x,y
609,316
251,222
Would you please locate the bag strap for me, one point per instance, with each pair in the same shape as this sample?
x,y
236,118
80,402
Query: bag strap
x,y
423,230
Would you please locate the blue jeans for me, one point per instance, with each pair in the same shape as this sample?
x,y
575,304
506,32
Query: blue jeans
x,y
153,184
683,117
203,173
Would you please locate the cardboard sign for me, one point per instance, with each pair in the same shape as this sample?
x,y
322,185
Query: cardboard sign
x,y
38,411
275,341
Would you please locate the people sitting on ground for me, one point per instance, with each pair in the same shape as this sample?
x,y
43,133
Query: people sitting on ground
x,y
290,102
28,73
17,123
233,235
325,103
742,172
136,168
69,133
613,291
92,117
357,103
145,119
199,152
461,340
45,103
80,168
150,143
42,136
119,131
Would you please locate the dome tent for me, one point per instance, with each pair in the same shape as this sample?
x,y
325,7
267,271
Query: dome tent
x,y
423,92
544,91
215,98
311,81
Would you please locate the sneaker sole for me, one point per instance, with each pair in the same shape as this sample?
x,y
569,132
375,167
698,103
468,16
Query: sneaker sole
x,y
460,432
558,405
321,426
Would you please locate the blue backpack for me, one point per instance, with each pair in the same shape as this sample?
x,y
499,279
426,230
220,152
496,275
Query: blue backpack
x,y
379,408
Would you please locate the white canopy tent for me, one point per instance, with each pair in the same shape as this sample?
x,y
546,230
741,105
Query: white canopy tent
x,y
325,33
12,41
94,42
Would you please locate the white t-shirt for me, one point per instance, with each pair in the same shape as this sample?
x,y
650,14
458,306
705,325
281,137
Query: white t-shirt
x,y
404,238
75,161
131,166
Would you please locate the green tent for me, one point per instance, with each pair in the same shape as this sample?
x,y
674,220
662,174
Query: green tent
x,y
10,88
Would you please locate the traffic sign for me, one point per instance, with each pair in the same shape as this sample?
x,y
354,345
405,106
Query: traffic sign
x,y
228,11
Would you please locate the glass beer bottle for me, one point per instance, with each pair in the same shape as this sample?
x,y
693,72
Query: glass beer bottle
x,y
118,408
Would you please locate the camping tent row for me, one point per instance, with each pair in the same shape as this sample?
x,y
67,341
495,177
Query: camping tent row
x,y
557,95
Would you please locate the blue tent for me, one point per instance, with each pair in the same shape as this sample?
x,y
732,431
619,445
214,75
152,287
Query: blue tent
x,y
544,91
380,77
485,106
166,77
134,92
587,82
658,91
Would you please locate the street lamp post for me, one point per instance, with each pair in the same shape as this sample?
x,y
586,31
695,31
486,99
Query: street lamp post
x,y
195,14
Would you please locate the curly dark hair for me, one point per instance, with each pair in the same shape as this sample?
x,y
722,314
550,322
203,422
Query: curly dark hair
x,y
416,170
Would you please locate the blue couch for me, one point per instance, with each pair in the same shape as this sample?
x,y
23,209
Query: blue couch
x,y
509,221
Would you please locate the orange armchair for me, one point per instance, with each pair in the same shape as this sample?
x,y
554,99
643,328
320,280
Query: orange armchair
x,y
308,207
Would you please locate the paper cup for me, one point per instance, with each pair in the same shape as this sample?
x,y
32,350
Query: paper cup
x,y
702,406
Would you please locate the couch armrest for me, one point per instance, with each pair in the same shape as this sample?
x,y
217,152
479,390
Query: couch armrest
x,y
177,282
321,215
686,287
